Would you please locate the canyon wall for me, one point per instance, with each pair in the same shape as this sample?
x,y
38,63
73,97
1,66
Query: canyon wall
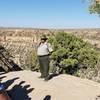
x,y
21,42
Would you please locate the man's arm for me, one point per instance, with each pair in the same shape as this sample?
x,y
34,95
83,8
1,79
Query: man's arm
x,y
50,49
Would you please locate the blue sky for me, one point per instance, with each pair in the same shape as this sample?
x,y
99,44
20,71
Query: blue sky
x,y
47,14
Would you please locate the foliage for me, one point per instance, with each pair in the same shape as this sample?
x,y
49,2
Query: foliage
x,y
35,64
73,53
94,6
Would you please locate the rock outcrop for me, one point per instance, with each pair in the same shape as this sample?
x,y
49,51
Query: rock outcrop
x,y
25,85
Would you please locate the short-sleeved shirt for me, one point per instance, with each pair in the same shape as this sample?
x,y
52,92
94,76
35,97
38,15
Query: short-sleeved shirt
x,y
44,49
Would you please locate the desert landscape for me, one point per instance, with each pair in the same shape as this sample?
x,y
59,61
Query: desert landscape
x,y
25,85
50,50
24,40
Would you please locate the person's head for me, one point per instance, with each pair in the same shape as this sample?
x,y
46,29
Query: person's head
x,y
43,38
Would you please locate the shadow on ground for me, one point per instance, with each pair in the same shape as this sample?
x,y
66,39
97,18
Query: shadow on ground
x,y
52,76
9,82
47,97
98,97
18,91
2,77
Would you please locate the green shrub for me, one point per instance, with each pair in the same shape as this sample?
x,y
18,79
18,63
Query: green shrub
x,y
35,64
72,53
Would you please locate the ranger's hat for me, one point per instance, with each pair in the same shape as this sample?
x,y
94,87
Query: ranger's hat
x,y
43,37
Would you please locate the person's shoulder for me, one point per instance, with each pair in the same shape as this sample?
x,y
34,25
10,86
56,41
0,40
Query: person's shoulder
x,y
48,43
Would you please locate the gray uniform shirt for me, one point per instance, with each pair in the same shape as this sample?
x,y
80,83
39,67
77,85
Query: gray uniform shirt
x,y
44,49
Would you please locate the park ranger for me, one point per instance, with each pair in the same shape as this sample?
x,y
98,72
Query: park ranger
x,y
43,52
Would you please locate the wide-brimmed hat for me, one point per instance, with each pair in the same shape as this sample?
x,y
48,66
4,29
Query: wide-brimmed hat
x,y
43,37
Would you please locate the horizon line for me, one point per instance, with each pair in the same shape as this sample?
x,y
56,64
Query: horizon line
x,y
48,28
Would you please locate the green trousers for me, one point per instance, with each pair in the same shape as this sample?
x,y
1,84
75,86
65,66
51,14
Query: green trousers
x,y
44,65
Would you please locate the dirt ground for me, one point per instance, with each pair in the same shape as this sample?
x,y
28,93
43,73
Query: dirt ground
x,y
25,85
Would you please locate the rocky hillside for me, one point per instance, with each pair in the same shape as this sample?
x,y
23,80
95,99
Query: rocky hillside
x,y
21,42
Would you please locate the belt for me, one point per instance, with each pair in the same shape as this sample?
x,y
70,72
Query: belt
x,y
43,55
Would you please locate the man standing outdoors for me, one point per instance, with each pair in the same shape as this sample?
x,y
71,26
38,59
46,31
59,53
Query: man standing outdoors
x,y
43,52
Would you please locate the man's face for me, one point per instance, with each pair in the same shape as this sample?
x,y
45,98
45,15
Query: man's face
x,y
42,40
